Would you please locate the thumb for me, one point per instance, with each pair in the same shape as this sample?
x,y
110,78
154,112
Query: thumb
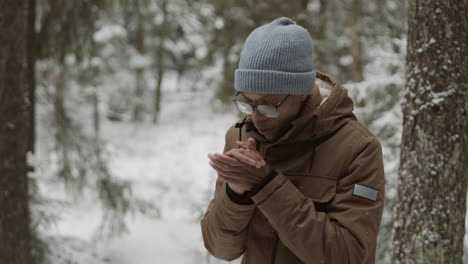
x,y
253,143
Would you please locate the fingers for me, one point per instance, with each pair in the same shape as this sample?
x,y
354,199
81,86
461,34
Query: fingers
x,y
220,169
217,164
225,159
245,145
235,177
245,154
251,154
233,169
248,156
249,144
232,163
253,143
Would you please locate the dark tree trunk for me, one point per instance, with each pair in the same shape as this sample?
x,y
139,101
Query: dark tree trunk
x,y
96,115
139,84
431,206
62,121
16,127
160,62
320,56
357,67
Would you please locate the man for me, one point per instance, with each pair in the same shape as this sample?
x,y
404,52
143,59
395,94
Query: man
x,y
300,180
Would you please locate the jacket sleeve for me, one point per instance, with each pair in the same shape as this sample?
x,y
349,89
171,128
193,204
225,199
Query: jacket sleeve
x,y
224,225
347,232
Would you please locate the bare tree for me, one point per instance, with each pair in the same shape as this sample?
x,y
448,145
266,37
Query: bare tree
x,y
16,127
431,206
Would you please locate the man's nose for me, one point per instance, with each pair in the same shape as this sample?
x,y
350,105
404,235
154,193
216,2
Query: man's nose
x,y
257,115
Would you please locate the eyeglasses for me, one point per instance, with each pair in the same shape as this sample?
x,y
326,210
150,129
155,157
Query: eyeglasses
x,y
268,110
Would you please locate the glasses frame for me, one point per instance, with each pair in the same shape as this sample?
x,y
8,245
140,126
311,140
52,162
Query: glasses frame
x,y
254,106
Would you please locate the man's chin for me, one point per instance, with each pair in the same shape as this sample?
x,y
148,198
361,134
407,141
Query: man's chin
x,y
269,135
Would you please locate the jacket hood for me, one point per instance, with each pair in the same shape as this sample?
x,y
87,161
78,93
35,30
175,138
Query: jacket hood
x,y
335,111
324,112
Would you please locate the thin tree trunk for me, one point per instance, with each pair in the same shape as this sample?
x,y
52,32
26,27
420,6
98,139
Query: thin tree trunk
x,y
62,121
16,127
225,89
178,81
139,85
433,176
357,67
160,62
320,38
31,75
138,99
321,31
95,96
96,117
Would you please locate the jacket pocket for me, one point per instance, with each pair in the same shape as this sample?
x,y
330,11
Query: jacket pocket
x,y
319,189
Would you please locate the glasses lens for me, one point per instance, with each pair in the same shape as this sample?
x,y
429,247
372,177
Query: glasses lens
x,y
244,107
268,111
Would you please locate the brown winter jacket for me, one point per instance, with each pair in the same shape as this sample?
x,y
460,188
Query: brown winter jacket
x,y
325,204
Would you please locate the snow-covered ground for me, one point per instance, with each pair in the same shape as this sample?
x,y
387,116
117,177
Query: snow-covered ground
x,y
167,164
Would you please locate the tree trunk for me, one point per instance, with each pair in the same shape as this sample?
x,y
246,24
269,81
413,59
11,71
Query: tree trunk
x,y
62,121
431,205
357,67
322,27
16,127
160,62
96,115
139,84
319,34
138,99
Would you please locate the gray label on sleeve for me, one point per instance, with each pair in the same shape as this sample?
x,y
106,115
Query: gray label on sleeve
x,y
365,192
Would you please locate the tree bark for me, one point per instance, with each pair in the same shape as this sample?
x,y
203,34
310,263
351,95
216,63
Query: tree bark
x,y
357,67
321,58
431,205
62,121
16,127
139,84
160,62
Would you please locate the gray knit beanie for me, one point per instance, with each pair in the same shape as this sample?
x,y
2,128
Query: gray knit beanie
x,y
277,58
